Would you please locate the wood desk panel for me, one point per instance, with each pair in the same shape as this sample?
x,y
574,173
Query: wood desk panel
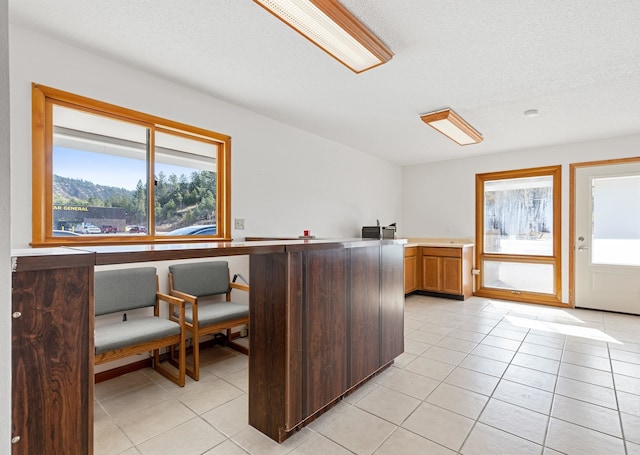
x,y
335,318
52,357
321,313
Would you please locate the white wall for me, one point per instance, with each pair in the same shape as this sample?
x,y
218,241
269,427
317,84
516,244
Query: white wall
x,y
284,180
439,198
5,243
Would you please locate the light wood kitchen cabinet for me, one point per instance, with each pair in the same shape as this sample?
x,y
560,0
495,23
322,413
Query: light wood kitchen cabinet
x,y
447,271
410,269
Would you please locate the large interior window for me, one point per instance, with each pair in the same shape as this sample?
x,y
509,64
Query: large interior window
x,y
518,235
106,174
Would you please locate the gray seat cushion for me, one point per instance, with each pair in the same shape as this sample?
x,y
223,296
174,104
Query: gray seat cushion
x,y
214,313
132,332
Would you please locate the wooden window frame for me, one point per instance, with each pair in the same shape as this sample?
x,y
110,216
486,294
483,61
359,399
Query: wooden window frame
x,y
43,100
555,259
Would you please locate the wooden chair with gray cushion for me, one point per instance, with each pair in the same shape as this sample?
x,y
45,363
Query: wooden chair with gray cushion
x,y
118,291
201,285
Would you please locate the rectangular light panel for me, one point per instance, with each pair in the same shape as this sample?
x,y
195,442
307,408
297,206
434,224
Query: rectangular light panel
x,y
330,26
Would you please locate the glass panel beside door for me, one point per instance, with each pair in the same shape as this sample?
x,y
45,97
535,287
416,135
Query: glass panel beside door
x,y
517,227
518,276
519,216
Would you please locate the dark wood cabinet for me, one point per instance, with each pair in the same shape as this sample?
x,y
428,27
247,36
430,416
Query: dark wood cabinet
x,y
324,328
391,303
364,313
334,321
52,355
324,316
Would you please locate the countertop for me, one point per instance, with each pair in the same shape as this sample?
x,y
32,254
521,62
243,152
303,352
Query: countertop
x,y
439,242
119,254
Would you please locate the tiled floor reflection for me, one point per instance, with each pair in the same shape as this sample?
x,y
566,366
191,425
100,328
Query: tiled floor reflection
x,y
477,377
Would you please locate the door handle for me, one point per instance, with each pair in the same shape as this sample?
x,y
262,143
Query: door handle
x,y
582,248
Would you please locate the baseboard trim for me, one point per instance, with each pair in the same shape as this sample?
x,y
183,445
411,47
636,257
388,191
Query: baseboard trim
x,y
124,369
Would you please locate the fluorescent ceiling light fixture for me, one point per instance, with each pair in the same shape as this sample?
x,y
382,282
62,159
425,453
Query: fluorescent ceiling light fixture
x,y
330,26
453,126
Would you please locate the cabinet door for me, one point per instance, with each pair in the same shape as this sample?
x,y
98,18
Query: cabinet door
x,y
451,276
392,303
52,361
325,330
431,273
364,313
275,395
410,277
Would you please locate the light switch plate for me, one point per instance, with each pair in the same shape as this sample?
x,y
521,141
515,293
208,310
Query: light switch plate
x,y
239,223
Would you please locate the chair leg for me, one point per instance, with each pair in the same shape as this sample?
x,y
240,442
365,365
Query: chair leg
x,y
193,371
172,356
178,378
182,361
236,346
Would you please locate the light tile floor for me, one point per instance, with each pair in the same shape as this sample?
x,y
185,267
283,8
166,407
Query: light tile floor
x,y
477,377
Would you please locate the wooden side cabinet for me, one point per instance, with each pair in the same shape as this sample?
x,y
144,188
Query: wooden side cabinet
x,y
447,271
52,353
410,269
324,319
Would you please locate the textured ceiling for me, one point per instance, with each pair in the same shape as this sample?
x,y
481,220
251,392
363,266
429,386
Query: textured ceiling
x,y
576,61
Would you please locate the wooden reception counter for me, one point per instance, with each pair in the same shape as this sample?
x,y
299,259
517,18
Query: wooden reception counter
x,y
325,315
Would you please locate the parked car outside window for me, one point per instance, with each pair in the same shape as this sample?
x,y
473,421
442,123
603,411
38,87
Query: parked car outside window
x,y
200,229
88,228
63,233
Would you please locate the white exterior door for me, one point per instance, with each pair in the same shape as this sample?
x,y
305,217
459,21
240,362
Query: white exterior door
x,y
607,237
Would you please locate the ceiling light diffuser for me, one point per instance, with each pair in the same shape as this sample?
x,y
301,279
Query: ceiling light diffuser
x,y
330,26
453,126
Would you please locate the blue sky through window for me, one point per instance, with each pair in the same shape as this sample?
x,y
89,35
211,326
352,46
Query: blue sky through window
x,y
106,169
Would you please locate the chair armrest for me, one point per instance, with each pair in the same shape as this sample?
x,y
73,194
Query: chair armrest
x,y
184,296
173,300
242,287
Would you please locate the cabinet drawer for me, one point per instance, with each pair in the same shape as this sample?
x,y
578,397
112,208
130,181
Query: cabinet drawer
x,y
410,251
440,251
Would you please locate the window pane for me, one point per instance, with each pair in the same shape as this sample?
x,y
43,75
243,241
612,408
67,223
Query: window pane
x,y
186,194
616,224
519,276
99,174
519,216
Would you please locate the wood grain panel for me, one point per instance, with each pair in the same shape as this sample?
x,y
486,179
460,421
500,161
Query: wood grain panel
x,y
451,275
325,328
431,273
52,361
146,253
441,251
295,340
392,303
410,273
268,343
364,313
